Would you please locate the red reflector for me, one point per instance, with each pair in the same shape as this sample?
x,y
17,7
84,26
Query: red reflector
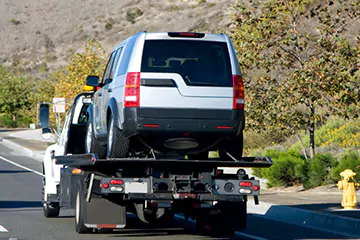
x,y
106,185
132,90
151,125
97,88
223,127
154,204
106,226
116,182
220,171
255,188
245,184
196,205
238,98
100,185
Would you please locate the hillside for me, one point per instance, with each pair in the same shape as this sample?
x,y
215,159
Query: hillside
x,y
38,34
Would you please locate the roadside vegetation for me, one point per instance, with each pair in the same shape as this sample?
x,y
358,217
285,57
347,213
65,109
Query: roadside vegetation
x,y
301,71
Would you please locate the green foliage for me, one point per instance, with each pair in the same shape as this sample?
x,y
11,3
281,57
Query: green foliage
x,y
201,1
320,170
344,133
294,77
350,160
286,170
108,26
15,93
132,14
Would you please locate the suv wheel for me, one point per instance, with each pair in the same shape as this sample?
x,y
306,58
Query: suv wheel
x,y
92,145
233,146
117,145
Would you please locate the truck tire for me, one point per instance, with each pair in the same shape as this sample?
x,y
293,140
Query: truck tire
x,y
233,146
91,143
117,146
80,211
51,210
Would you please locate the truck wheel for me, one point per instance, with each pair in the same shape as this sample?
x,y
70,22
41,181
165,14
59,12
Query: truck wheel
x,y
233,146
80,212
51,210
92,145
117,145
158,216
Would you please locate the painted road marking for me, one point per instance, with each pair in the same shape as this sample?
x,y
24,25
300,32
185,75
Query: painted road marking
x,y
21,166
236,233
2,229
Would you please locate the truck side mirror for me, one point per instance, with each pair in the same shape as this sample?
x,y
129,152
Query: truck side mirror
x,y
92,81
44,115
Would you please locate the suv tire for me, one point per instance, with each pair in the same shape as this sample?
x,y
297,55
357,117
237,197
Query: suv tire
x,y
91,143
117,146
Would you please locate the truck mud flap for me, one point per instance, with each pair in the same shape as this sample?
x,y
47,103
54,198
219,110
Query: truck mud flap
x,y
101,213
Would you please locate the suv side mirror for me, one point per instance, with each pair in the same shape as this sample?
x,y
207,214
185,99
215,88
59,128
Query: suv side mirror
x,y
92,81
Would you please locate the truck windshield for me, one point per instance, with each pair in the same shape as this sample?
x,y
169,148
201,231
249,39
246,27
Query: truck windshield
x,y
200,63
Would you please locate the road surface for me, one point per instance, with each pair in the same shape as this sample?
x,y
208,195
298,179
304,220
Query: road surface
x,y
21,215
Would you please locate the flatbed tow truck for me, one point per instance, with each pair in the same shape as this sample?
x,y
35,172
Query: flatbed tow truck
x,y
103,191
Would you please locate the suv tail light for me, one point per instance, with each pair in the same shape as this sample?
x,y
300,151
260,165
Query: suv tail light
x,y
132,90
238,92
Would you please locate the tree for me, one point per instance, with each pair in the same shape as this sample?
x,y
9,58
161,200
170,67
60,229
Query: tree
x,y
69,81
15,93
297,74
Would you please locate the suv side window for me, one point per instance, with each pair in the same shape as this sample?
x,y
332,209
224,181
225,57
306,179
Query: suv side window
x,y
106,79
117,57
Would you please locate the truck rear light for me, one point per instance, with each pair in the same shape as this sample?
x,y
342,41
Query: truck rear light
x,y
245,184
106,185
242,190
132,90
116,182
256,188
116,189
238,98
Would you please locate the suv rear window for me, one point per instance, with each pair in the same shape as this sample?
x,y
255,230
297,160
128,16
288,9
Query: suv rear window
x,y
200,63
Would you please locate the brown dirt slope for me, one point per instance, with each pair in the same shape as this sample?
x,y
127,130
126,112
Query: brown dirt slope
x,y
38,34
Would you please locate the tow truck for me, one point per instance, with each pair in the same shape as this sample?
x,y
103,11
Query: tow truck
x,y
103,191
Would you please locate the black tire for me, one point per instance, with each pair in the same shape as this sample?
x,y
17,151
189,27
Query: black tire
x,y
80,211
91,143
233,146
117,146
51,210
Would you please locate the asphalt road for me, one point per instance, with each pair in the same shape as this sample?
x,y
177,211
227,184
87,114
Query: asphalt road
x,y
21,215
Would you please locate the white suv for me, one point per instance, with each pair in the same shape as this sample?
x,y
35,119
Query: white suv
x,y
169,93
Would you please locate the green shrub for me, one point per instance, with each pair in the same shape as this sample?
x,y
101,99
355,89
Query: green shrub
x,y
350,160
319,170
287,169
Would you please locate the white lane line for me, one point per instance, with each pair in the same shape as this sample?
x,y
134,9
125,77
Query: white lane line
x,y
21,166
236,233
2,229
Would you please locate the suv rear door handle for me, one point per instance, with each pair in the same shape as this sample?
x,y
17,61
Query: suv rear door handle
x,y
100,94
109,90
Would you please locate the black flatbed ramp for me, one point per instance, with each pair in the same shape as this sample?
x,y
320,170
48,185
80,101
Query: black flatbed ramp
x,y
90,161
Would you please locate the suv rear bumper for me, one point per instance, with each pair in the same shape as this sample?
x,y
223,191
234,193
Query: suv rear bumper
x,y
169,121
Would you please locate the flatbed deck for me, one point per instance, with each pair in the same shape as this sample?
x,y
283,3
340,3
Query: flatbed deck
x,y
90,161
